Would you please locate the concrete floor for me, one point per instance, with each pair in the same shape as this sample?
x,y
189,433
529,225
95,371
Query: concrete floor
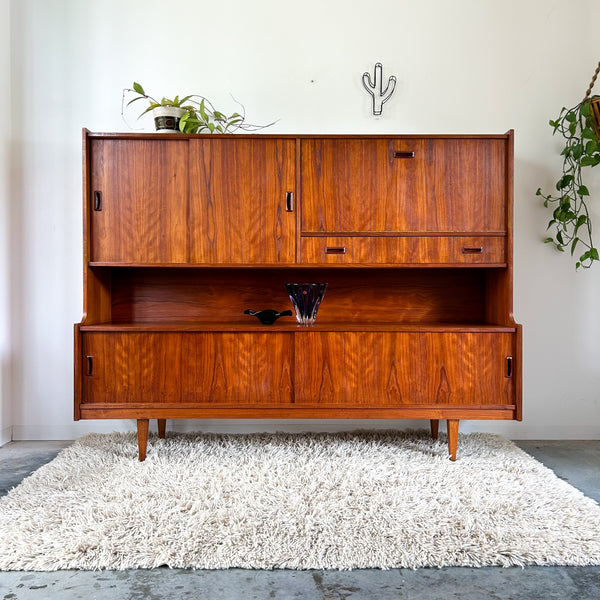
x,y
578,462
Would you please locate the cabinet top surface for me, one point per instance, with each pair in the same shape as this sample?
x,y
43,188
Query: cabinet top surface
x,y
187,136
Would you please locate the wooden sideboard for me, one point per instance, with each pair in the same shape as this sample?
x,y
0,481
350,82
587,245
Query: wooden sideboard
x,y
413,235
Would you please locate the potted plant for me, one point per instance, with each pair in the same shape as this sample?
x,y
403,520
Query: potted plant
x,y
189,114
167,113
571,222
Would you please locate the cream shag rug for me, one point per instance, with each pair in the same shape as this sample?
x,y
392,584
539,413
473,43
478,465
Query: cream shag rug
x,y
300,501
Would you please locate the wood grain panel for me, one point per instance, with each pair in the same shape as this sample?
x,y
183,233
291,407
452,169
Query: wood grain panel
x,y
426,250
238,210
143,187
359,185
393,369
171,368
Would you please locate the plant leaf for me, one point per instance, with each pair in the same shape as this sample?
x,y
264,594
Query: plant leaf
x,y
138,88
585,109
564,181
571,116
588,134
573,245
592,146
203,112
136,99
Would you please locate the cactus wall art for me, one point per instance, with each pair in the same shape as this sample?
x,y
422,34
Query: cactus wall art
x,y
375,88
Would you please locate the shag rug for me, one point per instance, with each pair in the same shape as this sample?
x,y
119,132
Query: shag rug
x,y
299,501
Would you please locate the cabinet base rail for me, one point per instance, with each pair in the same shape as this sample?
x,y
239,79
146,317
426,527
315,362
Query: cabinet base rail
x,y
184,411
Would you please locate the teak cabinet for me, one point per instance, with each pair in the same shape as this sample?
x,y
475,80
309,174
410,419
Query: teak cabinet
x,y
413,234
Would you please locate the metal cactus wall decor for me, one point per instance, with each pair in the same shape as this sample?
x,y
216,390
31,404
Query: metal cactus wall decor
x,y
375,88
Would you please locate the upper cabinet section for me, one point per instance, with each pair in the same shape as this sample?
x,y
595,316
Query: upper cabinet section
x,y
404,185
178,199
138,199
195,200
242,200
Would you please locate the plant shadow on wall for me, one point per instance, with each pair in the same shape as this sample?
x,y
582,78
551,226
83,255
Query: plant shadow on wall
x,y
188,114
571,222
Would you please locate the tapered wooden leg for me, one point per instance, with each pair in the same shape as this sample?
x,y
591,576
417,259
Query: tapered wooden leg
x,y
162,428
142,431
452,437
435,426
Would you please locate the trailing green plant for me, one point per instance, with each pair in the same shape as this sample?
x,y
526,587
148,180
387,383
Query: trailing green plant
x,y
200,115
571,223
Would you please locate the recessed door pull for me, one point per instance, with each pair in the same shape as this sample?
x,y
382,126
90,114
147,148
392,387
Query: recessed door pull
x,y
404,154
90,365
289,201
98,201
335,250
509,366
477,250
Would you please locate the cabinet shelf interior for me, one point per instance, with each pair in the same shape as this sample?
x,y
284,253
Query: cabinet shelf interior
x,y
384,298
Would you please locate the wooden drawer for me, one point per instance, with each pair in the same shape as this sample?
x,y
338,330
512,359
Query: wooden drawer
x,y
433,369
158,368
422,250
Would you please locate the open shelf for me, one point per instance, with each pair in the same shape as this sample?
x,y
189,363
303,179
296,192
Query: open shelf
x,y
361,297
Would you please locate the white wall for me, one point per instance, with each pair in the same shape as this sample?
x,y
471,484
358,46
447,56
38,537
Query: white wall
x,y
466,66
5,105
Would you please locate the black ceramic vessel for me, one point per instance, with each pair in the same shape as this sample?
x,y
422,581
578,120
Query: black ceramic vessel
x,y
268,316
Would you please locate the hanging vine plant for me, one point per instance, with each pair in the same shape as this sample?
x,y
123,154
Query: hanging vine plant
x,y
571,224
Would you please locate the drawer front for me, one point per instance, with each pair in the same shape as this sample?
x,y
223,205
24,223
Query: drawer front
x,y
430,369
467,250
169,368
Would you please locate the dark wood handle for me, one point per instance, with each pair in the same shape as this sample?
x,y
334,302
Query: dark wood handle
x,y
289,201
509,366
90,365
335,250
97,201
404,154
477,250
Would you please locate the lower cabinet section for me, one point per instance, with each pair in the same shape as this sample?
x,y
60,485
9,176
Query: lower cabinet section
x,y
398,369
297,370
298,373
159,368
